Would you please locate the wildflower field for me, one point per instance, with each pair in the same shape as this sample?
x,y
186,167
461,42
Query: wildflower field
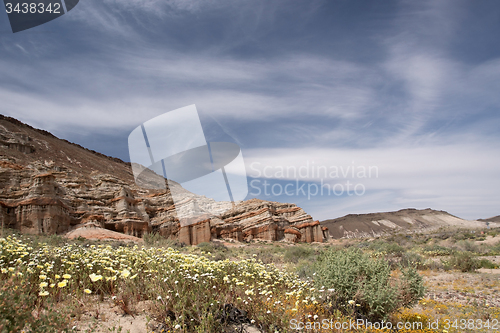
x,y
50,286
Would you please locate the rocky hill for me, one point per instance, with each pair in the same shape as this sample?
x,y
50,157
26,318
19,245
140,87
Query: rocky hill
x,y
494,219
405,220
52,186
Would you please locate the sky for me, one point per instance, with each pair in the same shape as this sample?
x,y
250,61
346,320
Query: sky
x,y
408,90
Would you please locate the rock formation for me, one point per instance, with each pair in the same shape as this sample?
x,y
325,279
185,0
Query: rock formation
x,y
51,186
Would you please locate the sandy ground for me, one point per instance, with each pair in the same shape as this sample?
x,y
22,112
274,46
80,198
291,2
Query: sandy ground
x,y
490,240
108,316
481,287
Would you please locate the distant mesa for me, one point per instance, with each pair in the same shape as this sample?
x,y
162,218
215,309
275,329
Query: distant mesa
x,y
405,220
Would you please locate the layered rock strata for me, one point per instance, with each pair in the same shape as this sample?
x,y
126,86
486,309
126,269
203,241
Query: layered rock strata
x,y
51,186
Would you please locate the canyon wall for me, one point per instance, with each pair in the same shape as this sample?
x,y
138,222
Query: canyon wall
x,y
51,186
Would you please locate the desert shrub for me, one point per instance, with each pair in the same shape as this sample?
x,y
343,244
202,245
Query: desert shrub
x,y
384,247
266,257
412,259
436,250
266,254
469,246
277,249
366,282
39,241
80,239
401,239
495,249
5,232
394,248
151,238
21,311
435,265
305,269
212,247
493,232
55,240
155,239
422,239
298,252
485,263
442,235
217,250
411,287
463,261
118,244
464,235
363,245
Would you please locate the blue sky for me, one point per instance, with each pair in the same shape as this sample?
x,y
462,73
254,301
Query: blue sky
x,y
411,87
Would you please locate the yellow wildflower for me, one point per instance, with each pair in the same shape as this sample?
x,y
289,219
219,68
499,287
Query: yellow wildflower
x,y
125,273
95,277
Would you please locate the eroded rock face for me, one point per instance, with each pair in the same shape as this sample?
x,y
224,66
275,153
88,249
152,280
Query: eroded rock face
x,y
39,211
270,221
195,233
50,186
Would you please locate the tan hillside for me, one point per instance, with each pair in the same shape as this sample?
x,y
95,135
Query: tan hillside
x,y
49,185
405,220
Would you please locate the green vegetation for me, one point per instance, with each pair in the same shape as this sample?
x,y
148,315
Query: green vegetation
x,y
463,261
365,284
17,306
48,282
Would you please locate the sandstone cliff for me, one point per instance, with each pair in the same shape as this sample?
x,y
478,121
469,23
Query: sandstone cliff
x,y
52,186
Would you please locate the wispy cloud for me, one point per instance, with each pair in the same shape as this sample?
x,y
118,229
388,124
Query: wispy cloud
x,y
276,78
457,177
141,86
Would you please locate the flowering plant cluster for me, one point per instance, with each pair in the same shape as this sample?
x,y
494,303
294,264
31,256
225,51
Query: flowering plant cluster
x,y
189,290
